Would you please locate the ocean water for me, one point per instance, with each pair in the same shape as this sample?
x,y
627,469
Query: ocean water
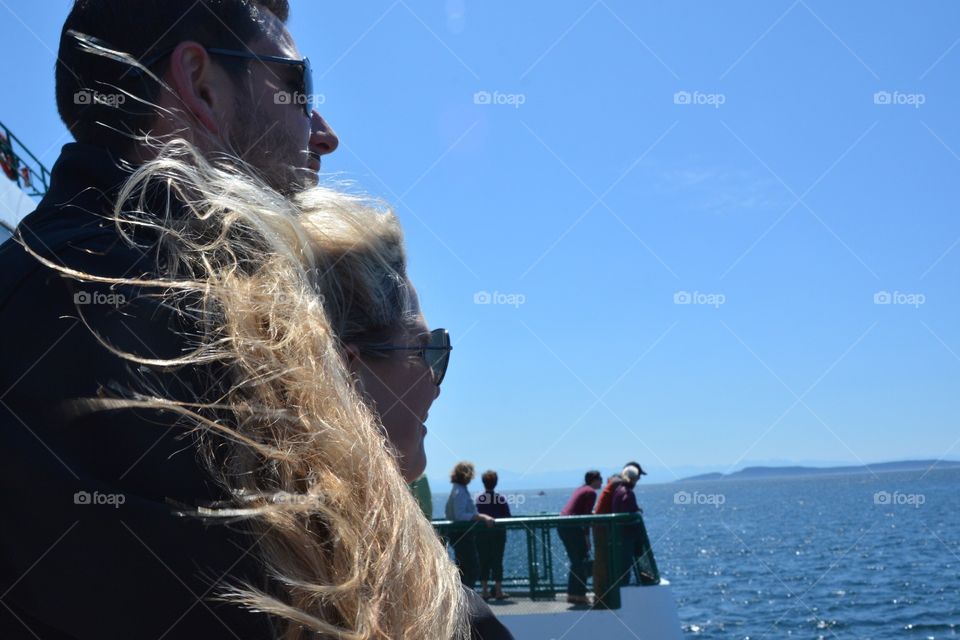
x,y
855,556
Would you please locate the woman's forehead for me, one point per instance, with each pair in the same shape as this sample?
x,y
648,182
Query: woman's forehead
x,y
416,323
417,327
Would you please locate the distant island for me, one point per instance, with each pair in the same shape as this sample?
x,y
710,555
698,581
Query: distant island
x,y
756,473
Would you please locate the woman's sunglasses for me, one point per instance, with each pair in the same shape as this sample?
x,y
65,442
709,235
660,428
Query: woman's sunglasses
x,y
436,353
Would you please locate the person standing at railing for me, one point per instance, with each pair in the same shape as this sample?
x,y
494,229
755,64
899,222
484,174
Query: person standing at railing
x,y
576,540
625,501
460,508
601,536
492,542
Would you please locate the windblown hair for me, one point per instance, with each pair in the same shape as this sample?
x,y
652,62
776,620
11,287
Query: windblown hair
x,y
276,285
463,472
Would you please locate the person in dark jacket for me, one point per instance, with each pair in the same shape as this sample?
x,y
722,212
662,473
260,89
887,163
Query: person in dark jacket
x,y
103,488
492,541
106,551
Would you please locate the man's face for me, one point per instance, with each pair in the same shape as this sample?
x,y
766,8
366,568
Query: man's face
x,y
270,129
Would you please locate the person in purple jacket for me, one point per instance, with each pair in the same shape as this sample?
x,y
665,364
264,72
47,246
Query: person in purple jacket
x,y
625,501
576,540
491,542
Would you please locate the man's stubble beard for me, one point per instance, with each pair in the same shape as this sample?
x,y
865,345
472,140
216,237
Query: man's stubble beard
x,y
276,157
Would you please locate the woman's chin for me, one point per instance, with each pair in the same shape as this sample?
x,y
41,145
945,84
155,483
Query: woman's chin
x,y
418,466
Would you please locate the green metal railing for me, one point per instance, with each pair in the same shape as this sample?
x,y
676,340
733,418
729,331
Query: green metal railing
x,y
537,568
22,166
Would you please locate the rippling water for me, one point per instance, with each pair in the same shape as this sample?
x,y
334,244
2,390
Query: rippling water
x,y
856,556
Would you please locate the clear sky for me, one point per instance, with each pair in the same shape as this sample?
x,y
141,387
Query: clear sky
x,y
584,166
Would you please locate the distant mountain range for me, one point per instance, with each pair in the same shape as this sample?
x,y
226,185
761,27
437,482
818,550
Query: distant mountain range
x,y
511,480
751,473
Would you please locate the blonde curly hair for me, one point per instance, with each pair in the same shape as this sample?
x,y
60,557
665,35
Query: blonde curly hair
x,y
274,285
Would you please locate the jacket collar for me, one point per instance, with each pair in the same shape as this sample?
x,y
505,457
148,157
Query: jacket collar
x,y
85,170
84,184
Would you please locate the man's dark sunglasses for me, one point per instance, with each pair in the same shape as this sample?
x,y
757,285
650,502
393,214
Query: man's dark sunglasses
x,y
436,353
305,88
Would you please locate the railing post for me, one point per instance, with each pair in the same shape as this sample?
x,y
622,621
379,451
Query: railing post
x,y
653,575
532,562
549,590
615,550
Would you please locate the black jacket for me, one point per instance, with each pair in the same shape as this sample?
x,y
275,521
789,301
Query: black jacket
x,y
91,545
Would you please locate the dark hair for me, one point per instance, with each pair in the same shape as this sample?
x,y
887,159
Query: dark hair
x,y
140,28
489,479
590,476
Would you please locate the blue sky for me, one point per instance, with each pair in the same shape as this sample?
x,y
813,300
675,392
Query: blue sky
x,y
591,164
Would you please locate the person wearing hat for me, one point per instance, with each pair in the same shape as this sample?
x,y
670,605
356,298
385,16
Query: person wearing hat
x,y
625,501
601,579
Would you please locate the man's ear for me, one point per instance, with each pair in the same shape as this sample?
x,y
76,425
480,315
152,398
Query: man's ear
x,y
202,88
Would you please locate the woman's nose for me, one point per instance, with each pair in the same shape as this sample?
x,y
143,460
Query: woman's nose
x,y
323,139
